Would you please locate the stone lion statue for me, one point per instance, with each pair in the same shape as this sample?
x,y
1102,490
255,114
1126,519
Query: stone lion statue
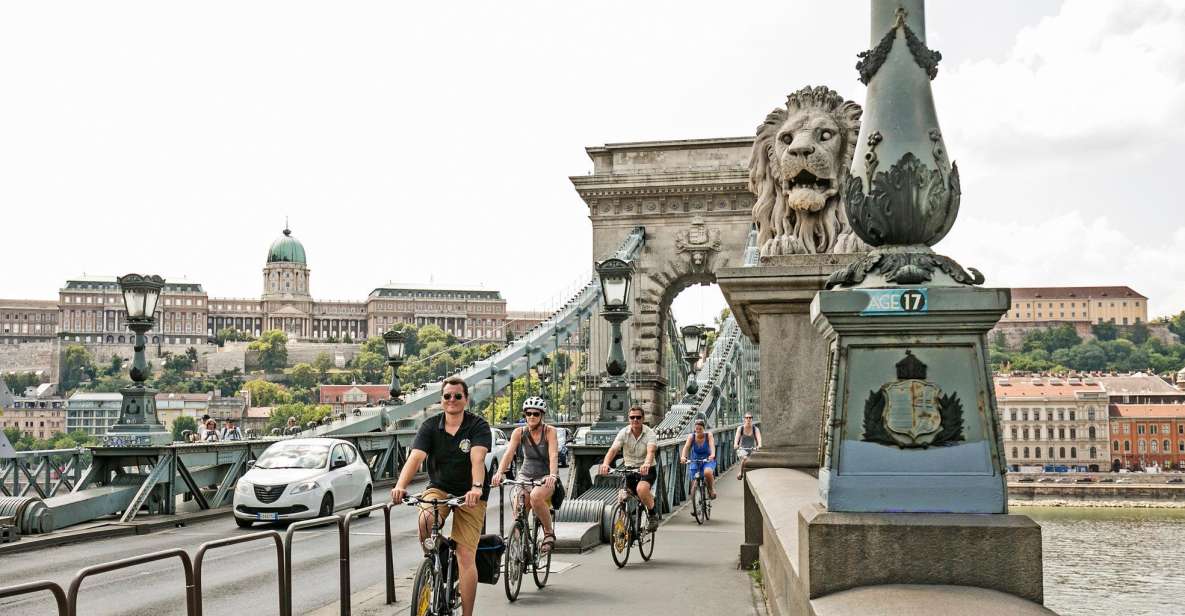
x,y
801,159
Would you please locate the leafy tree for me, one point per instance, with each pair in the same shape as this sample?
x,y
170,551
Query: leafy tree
x,y
433,333
228,382
1137,333
302,376
230,334
1176,324
182,424
370,366
273,349
114,367
1105,331
265,393
18,382
322,364
77,365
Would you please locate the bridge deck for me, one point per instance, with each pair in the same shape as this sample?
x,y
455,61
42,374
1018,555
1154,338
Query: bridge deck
x,y
693,571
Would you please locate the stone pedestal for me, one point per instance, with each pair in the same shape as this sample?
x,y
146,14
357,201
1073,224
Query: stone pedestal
x,y
771,303
838,551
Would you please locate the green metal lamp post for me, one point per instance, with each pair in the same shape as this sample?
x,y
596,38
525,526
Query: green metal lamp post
x,y
393,341
693,336
138,425
544,372
572,401
616,276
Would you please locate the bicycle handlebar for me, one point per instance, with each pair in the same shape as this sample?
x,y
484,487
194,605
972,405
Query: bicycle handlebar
x,y
456,501
522,482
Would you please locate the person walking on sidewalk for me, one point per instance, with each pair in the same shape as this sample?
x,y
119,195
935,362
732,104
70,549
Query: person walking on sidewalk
x,y
702,447
747,439
455,444
540,462
637,444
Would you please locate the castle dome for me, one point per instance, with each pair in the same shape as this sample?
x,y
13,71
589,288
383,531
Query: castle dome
x,y
286,249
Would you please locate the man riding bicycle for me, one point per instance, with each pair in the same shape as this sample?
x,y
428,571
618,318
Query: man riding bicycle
x,y
702,447
637,444
540,462
747,439
455,444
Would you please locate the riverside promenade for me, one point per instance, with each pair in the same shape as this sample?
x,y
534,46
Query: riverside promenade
x,y
693,571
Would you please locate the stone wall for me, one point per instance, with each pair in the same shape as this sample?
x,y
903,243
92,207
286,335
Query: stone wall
x,y
30,357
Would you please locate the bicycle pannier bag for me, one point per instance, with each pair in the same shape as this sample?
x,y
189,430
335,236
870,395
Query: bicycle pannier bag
x,y
489,558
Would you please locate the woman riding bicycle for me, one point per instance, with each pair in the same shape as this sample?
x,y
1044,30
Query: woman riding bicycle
x,y
540,462
702,447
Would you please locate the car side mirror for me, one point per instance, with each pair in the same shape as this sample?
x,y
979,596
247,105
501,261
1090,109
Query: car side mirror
x,y
250,463
501,441
338,463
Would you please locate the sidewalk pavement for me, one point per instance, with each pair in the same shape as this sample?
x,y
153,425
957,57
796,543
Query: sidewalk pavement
x,y
693,571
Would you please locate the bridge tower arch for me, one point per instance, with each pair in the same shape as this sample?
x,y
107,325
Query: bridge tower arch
x,y
693,199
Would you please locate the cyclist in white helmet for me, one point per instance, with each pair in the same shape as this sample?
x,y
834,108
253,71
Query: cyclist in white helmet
x,y
540,463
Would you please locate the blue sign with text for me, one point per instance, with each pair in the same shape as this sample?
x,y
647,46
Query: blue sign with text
x,y
895,301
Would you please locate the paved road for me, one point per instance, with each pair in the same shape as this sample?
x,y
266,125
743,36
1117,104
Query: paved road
x,y
236,580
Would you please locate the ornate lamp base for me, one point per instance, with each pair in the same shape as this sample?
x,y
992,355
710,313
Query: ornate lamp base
x,y
911,412
137,425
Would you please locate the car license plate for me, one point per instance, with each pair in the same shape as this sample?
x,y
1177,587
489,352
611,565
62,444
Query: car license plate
x,y
267,516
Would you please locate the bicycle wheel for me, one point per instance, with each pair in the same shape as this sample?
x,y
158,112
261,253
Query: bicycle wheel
x,y
541,564
512,561
705,502
645,536
422,589
695,503
619,535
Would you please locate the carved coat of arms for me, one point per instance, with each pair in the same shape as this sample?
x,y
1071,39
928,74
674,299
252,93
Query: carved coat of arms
x,y
698,242
912,412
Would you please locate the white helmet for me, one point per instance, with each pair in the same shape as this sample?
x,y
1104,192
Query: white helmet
x,y
535,402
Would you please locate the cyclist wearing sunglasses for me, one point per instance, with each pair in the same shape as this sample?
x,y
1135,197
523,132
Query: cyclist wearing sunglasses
x,y
637,444
455,444
540,463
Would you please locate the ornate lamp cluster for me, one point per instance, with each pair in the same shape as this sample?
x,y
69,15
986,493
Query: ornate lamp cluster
x,y
616,276
393,340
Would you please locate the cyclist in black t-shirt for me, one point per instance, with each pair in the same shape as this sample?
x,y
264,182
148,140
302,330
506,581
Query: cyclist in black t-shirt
x,y
455,444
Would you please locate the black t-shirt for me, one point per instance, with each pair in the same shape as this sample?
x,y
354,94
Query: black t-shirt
x,y
449,468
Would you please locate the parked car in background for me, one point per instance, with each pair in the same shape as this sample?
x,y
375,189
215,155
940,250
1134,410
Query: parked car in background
x,y
302,478
494,457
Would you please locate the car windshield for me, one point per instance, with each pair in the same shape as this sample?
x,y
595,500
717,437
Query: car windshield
x,y
293,455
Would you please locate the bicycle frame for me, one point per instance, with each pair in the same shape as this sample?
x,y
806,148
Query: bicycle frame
x,y
443,593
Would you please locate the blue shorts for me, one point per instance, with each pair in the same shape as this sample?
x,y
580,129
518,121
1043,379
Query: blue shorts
x,y
693,468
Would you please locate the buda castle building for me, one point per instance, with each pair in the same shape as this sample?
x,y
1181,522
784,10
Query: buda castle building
x,y
90,310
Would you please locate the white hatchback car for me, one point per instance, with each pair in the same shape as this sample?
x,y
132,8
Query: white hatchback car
x,y
302,478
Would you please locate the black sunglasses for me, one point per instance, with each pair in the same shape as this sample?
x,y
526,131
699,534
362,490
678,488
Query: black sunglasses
x,y
748,417
532,413
633,417
453,397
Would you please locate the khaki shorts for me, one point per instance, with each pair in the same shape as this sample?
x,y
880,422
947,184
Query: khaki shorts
x,y
466,529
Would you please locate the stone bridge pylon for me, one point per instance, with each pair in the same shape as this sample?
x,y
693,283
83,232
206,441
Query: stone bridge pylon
x,y
692,197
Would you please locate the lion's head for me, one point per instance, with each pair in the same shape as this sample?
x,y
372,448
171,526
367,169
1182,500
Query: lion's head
x,y
801,158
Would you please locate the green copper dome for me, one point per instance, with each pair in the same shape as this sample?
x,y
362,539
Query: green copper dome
x,y
286,249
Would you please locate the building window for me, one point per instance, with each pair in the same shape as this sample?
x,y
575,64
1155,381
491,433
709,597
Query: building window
x,y
1152,429
1115,445
1127,445
1140,429
1073,452
1026,452
1153,446
1073,433
1167,446
1016,456
1061,452
1141,446
1127,428
1037,452
1014,434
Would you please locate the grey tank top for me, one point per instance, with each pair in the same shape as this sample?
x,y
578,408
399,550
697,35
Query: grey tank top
x,y
748,441
536,459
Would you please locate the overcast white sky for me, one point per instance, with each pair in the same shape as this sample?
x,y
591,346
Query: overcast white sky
x,y
409,141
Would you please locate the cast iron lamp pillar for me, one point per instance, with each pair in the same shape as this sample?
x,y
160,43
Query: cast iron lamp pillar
x,y
138,425
616,276
693,336
393,341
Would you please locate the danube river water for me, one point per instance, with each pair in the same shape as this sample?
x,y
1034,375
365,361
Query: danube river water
x,y
1103,561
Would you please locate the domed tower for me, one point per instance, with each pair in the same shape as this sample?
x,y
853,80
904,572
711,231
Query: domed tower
x,y
286,299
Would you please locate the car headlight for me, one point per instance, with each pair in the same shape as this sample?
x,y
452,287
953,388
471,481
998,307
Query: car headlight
x,y
301,488
243,486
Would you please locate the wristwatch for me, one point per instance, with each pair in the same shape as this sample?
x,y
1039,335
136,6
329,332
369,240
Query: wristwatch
x,y
478,485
